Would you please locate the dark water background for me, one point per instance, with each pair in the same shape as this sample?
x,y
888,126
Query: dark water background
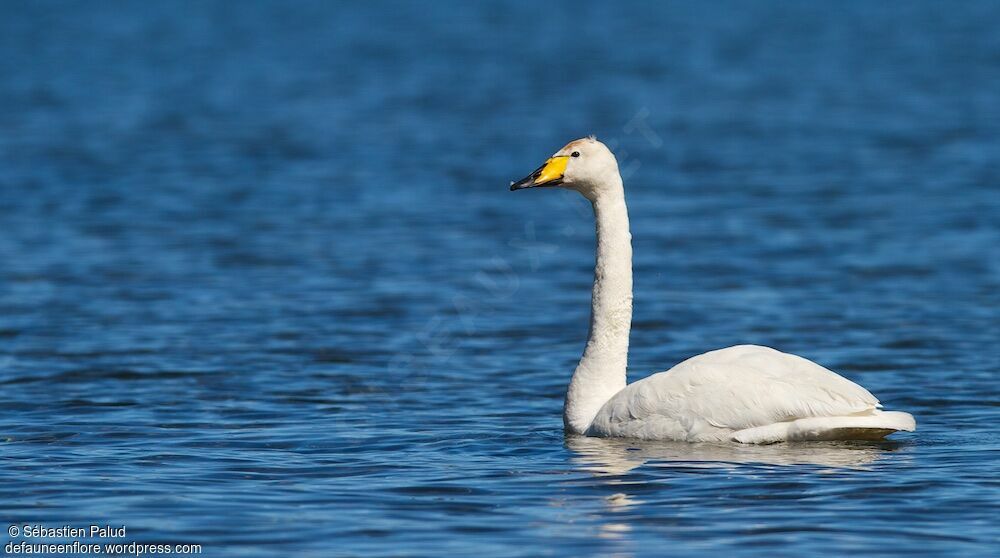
x,y
263,288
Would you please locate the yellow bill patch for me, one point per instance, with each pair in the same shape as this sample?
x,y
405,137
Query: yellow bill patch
x,y
553,169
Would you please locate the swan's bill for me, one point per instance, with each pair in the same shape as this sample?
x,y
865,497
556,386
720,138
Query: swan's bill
x,y
549,174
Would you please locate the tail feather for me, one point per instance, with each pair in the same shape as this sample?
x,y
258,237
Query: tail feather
x,y
874,425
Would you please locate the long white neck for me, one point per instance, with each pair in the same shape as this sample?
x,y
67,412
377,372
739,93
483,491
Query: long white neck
x,y
601,372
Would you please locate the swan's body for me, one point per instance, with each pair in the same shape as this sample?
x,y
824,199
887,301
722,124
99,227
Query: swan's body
x,y
747,393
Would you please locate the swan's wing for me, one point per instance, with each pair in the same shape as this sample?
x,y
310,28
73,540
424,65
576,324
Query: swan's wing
x,y
746,386
711,395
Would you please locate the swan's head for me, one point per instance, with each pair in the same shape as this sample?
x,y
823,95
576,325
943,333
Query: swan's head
x,y
585,165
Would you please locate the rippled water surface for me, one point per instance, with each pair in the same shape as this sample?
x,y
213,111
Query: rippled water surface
x,y
263,287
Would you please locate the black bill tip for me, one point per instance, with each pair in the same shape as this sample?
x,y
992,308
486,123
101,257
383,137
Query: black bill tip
x,y
527,181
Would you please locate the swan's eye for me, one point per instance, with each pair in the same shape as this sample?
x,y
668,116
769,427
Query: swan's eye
x,y
574,154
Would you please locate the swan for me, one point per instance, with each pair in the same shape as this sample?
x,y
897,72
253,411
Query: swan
x,y
747,393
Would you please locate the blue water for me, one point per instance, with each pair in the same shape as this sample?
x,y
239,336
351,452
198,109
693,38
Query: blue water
x,y
263,287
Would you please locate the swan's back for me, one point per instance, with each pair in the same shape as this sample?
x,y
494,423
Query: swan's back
x,y
746,393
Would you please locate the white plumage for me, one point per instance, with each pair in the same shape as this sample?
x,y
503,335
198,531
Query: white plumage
x,y
747,393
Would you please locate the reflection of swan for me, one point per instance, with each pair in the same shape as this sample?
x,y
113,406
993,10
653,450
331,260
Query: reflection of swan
x,y
746,393
616,456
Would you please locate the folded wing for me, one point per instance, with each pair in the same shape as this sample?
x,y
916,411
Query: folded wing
x,y
715,395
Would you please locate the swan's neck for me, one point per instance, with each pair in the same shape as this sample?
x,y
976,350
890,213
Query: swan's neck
x,y
601,372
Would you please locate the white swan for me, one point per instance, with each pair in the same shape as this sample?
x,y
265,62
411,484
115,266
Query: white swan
x,y
747,393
